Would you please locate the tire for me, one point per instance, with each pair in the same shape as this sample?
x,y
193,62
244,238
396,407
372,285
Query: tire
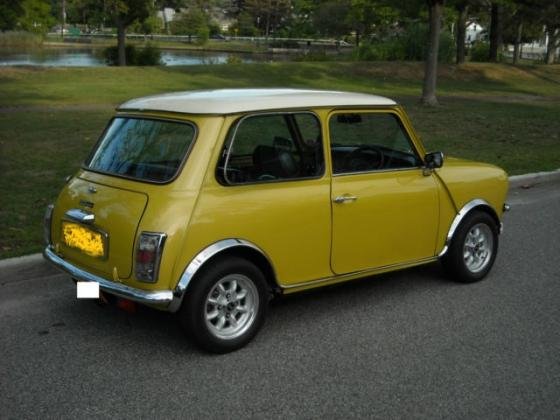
x,y
473,248
226,305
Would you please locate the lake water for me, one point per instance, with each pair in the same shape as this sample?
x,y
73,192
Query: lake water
x,y
92,57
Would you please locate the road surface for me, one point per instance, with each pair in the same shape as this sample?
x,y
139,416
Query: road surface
x,y
408,344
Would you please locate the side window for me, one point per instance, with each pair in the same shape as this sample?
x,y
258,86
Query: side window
x,y
263,148
362,142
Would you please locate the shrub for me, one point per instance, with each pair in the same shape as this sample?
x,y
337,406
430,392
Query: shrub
x,y
409,45
480,51
233,59
147,56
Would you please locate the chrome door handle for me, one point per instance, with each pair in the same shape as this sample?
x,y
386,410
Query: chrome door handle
x,y
344,198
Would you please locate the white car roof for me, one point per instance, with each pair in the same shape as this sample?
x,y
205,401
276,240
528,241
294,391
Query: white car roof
x,y
232,101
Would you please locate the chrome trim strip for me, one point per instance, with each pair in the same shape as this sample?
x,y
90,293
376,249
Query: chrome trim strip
x,y
459,218
81,216
199,261
159,298
377,171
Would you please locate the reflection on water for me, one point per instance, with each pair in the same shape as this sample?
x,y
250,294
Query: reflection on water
x,y
91,57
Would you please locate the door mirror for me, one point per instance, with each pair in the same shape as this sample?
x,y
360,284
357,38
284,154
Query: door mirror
x,y
434,160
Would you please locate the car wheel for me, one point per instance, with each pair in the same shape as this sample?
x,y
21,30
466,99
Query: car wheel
x,y
473,248
226,305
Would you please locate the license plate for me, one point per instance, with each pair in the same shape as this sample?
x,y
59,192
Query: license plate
x,y
89,241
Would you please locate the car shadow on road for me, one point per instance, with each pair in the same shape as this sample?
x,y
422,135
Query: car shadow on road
x,y
151,329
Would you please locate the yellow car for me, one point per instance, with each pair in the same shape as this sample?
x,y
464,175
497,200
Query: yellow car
x,y
207,203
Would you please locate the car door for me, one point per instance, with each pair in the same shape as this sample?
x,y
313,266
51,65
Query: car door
x,y
384,206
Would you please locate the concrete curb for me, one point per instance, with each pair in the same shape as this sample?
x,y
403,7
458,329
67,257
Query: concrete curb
x,y
516,181
20,261
528,180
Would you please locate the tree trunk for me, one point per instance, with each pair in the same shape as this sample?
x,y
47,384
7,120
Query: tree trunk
x,y
552,45
517,44
121,43
495,32
430,72
463,10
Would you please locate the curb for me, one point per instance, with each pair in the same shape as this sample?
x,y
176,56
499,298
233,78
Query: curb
x,y
528,180
20,261
515,181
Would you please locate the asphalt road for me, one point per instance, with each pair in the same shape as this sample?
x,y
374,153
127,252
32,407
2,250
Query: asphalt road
x,y
409,344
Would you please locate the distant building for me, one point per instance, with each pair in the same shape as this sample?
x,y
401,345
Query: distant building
x,y
474,33
169,14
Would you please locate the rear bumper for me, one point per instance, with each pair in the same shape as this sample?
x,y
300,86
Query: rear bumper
x,y
160,299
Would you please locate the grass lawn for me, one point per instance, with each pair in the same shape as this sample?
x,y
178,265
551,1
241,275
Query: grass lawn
x,y
49,118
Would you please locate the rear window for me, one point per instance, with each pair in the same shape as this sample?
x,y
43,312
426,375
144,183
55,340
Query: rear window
x,y
144,149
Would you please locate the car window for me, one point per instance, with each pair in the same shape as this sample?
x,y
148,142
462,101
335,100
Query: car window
x,y
363,142
145,149
263,148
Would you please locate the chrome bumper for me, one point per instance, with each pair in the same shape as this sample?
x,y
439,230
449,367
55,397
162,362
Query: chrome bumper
x,y
160,299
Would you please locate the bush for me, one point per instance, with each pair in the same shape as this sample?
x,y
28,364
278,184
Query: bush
x,y
480,51
233,59
147,56
410,45
389,50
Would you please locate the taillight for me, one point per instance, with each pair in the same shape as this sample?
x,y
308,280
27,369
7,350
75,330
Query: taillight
x,y
148,256
47,221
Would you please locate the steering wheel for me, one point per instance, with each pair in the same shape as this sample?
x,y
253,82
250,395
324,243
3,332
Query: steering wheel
x,y
364,158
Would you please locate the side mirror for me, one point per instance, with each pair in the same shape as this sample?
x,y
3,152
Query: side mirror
x,y
434,160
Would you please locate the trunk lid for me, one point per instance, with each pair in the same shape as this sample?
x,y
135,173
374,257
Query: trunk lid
x,y
95,225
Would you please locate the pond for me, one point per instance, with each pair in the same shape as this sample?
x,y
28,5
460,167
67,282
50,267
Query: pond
x,y
92,57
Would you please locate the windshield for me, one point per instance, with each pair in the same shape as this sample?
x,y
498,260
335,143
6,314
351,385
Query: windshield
x,y
145,149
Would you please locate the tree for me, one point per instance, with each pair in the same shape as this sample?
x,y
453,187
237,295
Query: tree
x,y
10,11
193,22
550,17
331,18
435,8
267,14
123,13
462,8
36,16
521,24
496,28
366,15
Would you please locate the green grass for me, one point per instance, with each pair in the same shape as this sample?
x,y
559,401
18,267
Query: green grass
x,y
50,118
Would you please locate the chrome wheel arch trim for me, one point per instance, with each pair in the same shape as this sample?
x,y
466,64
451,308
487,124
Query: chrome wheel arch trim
x,y
466,209
201,258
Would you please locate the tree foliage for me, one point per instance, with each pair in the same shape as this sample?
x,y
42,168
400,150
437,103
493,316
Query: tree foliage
x,y
28,15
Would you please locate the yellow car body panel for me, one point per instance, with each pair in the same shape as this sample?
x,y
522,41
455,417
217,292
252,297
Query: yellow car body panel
x,y
399,219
